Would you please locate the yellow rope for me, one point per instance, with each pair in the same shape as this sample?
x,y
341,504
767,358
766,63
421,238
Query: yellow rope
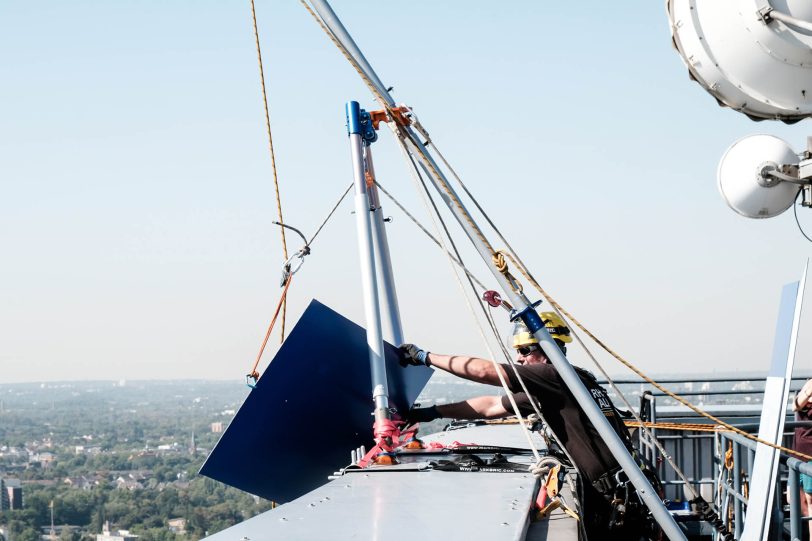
x,y
694,427
273,157
499,261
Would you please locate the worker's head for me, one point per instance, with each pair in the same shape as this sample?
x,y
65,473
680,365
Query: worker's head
x,y
527,346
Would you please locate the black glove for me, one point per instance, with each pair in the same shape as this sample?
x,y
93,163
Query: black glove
x,y
410,354
423,415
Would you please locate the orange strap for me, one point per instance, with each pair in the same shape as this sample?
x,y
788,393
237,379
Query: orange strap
x,y
254,374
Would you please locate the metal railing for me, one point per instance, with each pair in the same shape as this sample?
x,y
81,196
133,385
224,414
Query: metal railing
x,y
733,481
701,455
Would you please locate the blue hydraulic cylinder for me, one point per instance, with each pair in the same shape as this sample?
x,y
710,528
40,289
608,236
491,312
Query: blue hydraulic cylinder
x,y
353,118
359,122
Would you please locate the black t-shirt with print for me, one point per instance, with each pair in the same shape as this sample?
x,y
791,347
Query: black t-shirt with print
x,y
565,418
803,434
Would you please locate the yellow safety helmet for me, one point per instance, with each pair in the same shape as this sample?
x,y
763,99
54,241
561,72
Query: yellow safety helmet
x,y
521,336
558,330
556,327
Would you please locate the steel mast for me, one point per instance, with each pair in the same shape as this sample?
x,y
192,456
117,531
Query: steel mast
x,y
525,308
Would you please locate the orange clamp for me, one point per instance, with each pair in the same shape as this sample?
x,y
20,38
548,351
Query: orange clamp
x,y
398,115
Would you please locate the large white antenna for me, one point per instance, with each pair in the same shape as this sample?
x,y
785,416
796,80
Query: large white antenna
x,y
754,56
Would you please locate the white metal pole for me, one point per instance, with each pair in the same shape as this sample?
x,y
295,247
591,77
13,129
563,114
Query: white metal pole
x,y
363,222
383,260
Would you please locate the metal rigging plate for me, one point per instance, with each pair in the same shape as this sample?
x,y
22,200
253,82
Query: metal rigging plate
x,y
310,408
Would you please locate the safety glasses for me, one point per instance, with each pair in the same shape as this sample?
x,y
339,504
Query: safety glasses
x,y
527,350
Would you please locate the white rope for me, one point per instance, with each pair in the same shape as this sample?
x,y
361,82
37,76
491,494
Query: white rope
x,y
430,236
435,216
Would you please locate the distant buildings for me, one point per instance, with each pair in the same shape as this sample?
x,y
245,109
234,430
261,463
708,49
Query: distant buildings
x,y
177,525
55,532
83,450
11,494
217,428
118,535
44,459
83,482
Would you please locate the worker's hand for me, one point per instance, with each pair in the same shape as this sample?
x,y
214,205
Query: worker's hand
x,y
422,415
410,354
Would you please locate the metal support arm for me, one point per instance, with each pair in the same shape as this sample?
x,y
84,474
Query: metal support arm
x,y
364,225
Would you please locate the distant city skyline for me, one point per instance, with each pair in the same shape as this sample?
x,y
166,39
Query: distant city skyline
x,y
137,201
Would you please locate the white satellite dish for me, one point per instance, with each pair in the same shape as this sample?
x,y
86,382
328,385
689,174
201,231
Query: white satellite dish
x,y
754,56
746,181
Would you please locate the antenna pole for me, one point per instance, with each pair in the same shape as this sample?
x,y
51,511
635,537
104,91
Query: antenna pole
x,y
360,138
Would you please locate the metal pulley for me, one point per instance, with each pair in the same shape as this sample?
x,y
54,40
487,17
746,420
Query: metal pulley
x,y
495,300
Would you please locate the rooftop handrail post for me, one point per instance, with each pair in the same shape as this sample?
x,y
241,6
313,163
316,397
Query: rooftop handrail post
x,y
653,433
778,511
737,487
720,461
794,502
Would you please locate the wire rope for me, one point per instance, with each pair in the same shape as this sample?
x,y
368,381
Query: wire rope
x,y
429,235
435,217
303,252
330,214
795,212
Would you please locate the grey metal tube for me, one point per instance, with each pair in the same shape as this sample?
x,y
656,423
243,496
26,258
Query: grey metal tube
x,y
519,300
790,20
383,261
363,220
335,25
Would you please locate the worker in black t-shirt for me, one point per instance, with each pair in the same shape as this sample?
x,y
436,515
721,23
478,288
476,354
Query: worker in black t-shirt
x,y
565,418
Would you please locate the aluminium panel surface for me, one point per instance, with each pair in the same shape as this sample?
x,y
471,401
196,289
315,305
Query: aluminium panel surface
x,y
406,504
310,408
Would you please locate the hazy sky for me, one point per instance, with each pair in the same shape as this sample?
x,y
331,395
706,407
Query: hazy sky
x,y
136,197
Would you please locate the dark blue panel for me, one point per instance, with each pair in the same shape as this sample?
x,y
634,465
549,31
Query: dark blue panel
x,y
310,408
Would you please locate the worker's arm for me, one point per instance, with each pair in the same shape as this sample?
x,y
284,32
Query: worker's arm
x,y
803,397
470,368
481,407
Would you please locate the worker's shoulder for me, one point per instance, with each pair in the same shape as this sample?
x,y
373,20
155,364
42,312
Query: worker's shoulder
x,y
539,370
